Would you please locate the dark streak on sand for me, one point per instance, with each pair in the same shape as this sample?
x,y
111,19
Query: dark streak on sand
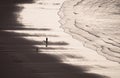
x,y
40,29
17,35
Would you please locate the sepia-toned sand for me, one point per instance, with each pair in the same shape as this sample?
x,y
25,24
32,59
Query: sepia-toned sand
x,y
23,53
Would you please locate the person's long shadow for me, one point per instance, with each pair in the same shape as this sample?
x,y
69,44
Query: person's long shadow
x,y
18,56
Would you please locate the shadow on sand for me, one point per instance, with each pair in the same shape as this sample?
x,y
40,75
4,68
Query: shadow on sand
x,y
18,58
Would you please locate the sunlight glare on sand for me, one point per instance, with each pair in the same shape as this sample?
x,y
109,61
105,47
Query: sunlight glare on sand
x,y
34,16
38,18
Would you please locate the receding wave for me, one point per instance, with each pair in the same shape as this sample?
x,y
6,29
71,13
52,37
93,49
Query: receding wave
x,y
96,23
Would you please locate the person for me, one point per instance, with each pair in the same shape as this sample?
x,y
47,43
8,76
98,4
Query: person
x,y
46,43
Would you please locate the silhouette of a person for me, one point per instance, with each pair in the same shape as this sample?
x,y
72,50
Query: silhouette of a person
x,y
46,42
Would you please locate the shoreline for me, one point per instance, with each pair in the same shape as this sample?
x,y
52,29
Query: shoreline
x,y
66,15
26,56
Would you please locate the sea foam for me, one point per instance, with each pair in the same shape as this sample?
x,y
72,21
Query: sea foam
x,y
96,23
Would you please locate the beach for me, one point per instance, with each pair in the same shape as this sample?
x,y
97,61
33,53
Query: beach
x,y
24,54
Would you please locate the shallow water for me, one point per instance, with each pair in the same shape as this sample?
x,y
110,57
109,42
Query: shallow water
x,y
95,23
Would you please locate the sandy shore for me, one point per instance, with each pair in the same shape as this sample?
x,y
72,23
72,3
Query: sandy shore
x,y
64,57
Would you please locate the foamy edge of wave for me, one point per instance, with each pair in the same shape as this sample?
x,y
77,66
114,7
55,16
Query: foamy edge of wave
x,y
113,55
